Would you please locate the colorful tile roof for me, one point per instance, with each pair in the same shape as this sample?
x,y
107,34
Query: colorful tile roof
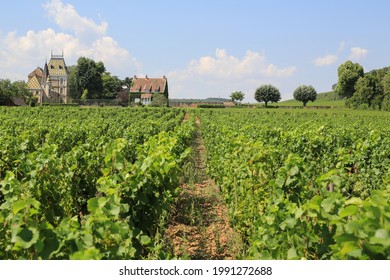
x,y
57,67
34,83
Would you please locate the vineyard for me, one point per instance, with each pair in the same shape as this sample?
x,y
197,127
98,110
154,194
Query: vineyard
x,y
100,183
311,185
87,183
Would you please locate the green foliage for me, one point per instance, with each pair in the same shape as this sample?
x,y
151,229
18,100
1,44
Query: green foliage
x,y
72,83
14,89
348,75
111,85
95,186
237,96
367,90
5,91
267,93
89,77
159,100
303,185
305,94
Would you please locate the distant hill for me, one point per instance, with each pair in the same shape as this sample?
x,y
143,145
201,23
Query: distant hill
x,y
323,99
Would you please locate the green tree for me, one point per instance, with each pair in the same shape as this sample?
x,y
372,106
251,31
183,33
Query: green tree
x,y
305,94
5,91
386,92
72,83
111,85
367,90
267,93
348,74
237,96
89,77
15,89
127,82
159,100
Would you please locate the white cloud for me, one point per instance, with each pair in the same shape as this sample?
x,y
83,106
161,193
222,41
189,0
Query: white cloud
x,y
222,74
325,60
357,53
66,17
224,66
20,54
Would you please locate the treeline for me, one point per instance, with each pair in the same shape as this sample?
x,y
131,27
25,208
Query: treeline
x,y
89,79
369,90
10,89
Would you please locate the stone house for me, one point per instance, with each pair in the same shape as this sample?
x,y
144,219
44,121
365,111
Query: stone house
x,y
50,84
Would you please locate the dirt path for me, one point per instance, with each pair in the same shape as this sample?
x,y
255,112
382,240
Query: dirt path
x,y
199,228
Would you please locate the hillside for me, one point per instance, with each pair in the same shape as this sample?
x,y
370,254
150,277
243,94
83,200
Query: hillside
x,y
323,99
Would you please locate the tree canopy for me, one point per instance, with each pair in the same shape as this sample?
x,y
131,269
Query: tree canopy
x,y
10,89
237,96
305,93
348,75
368,90
89,77
111,85
267,93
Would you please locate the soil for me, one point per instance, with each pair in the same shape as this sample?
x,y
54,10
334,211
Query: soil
x,y
199,227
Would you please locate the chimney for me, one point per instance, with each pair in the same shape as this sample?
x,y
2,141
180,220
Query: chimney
x,y
146,76
164,77
135,77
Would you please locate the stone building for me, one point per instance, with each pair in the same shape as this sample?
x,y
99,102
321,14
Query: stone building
x,y
50,84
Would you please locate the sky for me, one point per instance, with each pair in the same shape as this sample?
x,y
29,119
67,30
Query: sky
x,y
205,48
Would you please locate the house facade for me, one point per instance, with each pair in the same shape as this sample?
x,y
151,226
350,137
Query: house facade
x,y
143,89
50,84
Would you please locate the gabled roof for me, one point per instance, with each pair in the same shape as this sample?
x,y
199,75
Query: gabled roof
x,y
37,72
146,85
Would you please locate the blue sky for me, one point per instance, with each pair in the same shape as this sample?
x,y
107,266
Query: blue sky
x,y
205,48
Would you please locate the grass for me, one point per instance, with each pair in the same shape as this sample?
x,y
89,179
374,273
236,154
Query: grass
x,y
323,99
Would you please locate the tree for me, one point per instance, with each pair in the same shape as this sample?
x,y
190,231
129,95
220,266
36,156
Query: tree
x,y
15,89
111,85
237,96
305,94
159,100
72,83
367,90
348,74
5,91
267,93
89,77
128,82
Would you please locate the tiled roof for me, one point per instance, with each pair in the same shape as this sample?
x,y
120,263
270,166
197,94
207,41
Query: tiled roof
x,y
57,67
37,72
149,85
34,83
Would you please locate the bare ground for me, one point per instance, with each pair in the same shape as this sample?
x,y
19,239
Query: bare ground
x,y
199,228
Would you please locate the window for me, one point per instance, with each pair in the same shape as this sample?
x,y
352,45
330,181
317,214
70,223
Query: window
x,y
51,67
